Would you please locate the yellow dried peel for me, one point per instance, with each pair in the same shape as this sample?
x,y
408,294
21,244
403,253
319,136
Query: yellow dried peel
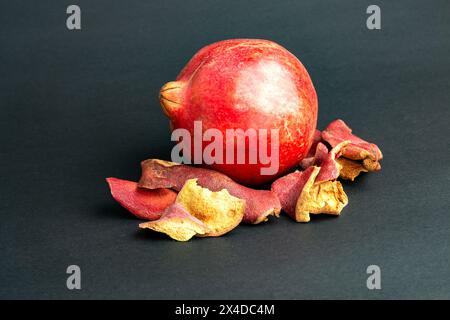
x,y
350,169
324,197
371,165
219,211
177,223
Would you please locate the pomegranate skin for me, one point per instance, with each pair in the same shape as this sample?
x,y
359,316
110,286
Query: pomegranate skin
x,y
243,84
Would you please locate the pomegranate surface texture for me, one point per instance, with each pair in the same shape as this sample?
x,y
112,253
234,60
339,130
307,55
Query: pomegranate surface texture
x,y
246,84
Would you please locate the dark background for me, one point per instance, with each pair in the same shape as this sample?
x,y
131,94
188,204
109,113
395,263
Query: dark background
x,y
79,106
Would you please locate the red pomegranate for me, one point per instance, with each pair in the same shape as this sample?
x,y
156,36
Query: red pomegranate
x,y
244,84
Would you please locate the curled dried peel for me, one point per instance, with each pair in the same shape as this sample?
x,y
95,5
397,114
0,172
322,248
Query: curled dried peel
x,y
350,169
320,153
321,197
289,187
219,211
326,160
177,223
317,137
309,159
259,204
143,203
329,168
371,165
359,149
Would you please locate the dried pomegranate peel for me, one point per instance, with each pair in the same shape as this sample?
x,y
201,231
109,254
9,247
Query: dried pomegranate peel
x,y
199,212
326,160
177,223
301,194
319,197
358,149
143,203
219,211
317,156
350,169
317,137
259,204
329,167
289,187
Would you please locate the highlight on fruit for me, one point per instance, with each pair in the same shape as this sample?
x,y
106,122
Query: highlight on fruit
x,y
243,114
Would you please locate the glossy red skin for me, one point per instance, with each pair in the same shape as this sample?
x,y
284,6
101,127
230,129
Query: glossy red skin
x,y
248,83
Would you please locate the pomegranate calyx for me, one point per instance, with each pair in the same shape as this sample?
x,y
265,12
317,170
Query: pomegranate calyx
x,y
170,96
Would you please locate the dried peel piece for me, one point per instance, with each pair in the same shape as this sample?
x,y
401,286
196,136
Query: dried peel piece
x,y
350,169
177,223
317,137
326,197
219,211
329,168
259,204
359,149
326,160
319,155
289,187
371,165
321,197
143,203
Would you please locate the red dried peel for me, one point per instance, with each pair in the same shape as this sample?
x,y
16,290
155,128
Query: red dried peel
x,y
318,156
143,203
316,139
289,187
309,158
163,174
329,168
358,149
301,195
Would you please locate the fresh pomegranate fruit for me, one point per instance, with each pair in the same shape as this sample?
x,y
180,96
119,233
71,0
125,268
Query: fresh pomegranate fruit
x,y
243,84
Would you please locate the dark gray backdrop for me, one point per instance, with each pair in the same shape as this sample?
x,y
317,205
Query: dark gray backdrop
x,y
79,106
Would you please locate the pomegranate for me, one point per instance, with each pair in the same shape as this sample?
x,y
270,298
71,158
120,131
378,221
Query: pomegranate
x,y
246,84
